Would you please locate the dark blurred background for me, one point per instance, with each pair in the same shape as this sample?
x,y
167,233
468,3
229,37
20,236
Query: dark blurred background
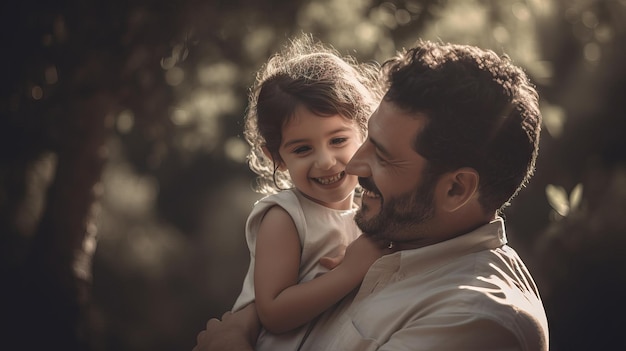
x,y
123,183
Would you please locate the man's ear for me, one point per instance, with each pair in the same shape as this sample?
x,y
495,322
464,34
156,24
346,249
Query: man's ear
x,y
456,188
279,162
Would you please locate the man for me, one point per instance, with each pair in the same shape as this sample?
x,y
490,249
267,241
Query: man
x,y
455,138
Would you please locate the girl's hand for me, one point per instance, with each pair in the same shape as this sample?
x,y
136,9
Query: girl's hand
x,y
361,254
332,262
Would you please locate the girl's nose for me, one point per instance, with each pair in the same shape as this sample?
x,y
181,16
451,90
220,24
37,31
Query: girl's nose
x,y
325,160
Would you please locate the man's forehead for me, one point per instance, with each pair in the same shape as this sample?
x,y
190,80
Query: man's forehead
x,y
393,130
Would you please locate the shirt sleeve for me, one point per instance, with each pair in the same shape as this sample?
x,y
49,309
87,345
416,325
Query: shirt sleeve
x,y
455,332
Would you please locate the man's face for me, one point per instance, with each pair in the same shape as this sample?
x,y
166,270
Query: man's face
x,y
397,203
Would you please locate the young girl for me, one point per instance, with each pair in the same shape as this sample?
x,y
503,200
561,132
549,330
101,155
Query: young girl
x,y
307,116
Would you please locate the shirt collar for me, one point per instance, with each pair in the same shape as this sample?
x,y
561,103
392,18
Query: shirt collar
x,y
487,237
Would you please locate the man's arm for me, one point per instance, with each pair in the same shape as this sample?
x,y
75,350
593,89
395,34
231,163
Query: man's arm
x,y
235,332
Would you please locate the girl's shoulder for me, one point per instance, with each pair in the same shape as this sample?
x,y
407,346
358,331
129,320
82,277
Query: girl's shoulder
x,y
283,198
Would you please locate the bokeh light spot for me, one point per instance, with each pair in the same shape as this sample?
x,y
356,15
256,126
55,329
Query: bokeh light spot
x,y
592,52
175,76
589,19
603,34
51,75
180,117
403,17
36,92
553,119
223,73
520,11
500,34
235,149
125,121
168,62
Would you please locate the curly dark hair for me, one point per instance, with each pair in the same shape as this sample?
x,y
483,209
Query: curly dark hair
x,y
482,112
304,73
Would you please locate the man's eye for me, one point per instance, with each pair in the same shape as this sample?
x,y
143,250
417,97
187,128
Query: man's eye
x,y
381,160
338,140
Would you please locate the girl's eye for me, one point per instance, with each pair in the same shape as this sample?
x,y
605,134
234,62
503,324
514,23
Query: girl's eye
x,y
338,140
301,149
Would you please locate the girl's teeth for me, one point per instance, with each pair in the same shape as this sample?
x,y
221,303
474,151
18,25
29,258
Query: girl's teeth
x,y
329,180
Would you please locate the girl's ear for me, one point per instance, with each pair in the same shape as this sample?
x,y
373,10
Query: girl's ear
x,y
279,162
456,188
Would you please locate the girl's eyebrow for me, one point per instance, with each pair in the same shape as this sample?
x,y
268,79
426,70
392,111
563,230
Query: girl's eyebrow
x,y
294,141
332,132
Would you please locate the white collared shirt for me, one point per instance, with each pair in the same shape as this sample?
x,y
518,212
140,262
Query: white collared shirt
x,y
472,292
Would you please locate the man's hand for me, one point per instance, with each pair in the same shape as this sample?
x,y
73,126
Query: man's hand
x,y
235,332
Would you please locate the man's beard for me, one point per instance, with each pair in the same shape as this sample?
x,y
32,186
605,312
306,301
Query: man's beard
x,y
402,218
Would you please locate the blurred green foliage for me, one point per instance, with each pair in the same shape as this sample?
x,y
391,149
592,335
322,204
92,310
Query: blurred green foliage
x,y
120,132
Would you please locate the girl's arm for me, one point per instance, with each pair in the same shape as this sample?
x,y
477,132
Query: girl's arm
x,y
283,304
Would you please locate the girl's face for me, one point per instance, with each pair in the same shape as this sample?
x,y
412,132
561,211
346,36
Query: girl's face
x,y
315,151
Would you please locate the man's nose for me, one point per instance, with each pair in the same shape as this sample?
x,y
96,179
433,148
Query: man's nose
x,y
358,163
